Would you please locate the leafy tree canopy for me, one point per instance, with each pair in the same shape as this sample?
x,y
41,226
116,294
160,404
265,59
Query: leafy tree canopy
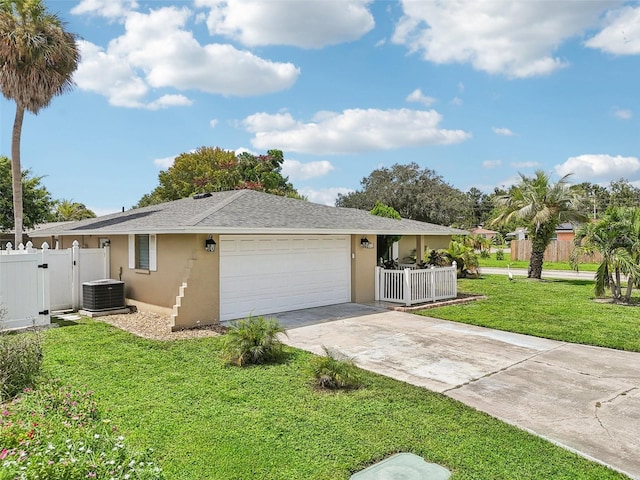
x,y
38,204
417,194
210,169
382,210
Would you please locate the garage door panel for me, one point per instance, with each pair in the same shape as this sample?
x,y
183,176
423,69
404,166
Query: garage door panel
x,y
269,274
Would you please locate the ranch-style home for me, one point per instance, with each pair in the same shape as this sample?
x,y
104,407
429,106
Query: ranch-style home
x,y
225,255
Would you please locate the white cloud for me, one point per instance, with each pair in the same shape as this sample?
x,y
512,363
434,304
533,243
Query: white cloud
x,y
502,131
352,131
491,163
456,101
600,167
112,9
516,39
524,164
157,51
164,163
622,114
296,170
621,36
324,196
418,96
213,123
297,23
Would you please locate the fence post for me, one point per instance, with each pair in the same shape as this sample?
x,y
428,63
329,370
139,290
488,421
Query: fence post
x,y
432,283
407,287
377,283
75,275
107,261
455,278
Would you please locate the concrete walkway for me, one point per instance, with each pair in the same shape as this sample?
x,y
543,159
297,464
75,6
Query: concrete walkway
x,y
584,398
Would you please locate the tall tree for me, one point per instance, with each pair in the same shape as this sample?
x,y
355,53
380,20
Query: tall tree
x,y
596,199
37,60
210,169
623,194
480,207
37,199
541,205
417,194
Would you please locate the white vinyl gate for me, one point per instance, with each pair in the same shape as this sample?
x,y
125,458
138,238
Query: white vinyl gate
x,y
24,296
36,282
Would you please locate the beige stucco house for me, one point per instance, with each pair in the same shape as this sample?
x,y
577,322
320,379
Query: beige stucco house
x,y
222,256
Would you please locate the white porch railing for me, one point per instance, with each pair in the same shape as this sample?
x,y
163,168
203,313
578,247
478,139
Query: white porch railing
x,y
412,286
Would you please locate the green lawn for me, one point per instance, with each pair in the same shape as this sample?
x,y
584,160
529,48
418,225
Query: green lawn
x,y
558,309
492,262
210,421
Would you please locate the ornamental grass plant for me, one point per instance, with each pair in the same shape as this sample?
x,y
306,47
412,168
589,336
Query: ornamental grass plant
x,y
20,362
334,371
253,341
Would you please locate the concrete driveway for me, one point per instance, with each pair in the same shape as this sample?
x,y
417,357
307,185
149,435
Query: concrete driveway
x,y
584,398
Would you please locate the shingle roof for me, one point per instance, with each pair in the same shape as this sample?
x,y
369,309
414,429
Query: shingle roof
x,y
245,211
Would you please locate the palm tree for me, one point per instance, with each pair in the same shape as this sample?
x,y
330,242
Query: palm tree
x,y
616,236
37,60
68,210
541,206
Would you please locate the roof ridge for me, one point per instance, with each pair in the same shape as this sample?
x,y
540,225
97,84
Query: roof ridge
x,y
198,218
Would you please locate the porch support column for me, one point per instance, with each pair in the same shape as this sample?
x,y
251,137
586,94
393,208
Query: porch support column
x,y
420,244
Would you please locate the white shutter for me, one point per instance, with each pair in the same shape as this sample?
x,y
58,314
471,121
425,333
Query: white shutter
x,y
132,251
153,262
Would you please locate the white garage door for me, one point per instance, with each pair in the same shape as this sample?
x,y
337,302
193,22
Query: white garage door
x,y
261,274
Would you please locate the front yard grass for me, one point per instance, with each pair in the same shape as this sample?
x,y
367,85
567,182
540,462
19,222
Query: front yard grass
x,y
206,420
557,309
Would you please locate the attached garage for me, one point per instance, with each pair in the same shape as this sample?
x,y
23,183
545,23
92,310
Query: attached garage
x,y
262,274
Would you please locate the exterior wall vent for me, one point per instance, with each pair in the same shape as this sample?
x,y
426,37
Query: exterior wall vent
x,y
198,196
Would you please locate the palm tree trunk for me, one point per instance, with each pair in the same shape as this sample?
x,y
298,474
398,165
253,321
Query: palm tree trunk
x,y
630,282
535,264
618,285
16,173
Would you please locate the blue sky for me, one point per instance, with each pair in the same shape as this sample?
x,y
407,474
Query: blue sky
x,y
475,90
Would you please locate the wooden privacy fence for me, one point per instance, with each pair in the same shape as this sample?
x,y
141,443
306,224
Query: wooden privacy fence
x,y
412,286
557,251
35,282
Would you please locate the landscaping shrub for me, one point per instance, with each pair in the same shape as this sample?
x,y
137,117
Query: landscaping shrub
x,y
485,254
252,341
334,371
20,362
56,432
499,254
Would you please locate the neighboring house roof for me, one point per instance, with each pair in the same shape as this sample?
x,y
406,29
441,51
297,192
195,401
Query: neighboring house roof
x,y
243,212
564,227
480,231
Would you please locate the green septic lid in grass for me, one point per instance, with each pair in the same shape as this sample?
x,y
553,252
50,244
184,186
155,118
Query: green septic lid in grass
x,y
403,466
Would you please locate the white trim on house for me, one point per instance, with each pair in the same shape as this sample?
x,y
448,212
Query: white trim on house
x,y
153,252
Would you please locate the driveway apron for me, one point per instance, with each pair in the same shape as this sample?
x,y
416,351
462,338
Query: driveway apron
x,y
586,399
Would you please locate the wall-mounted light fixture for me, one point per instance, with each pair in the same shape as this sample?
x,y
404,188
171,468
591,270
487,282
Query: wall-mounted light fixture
x,y
365,243
210,244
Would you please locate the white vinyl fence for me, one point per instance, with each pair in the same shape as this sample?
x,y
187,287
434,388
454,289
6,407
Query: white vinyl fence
x,y
413,286
35,282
